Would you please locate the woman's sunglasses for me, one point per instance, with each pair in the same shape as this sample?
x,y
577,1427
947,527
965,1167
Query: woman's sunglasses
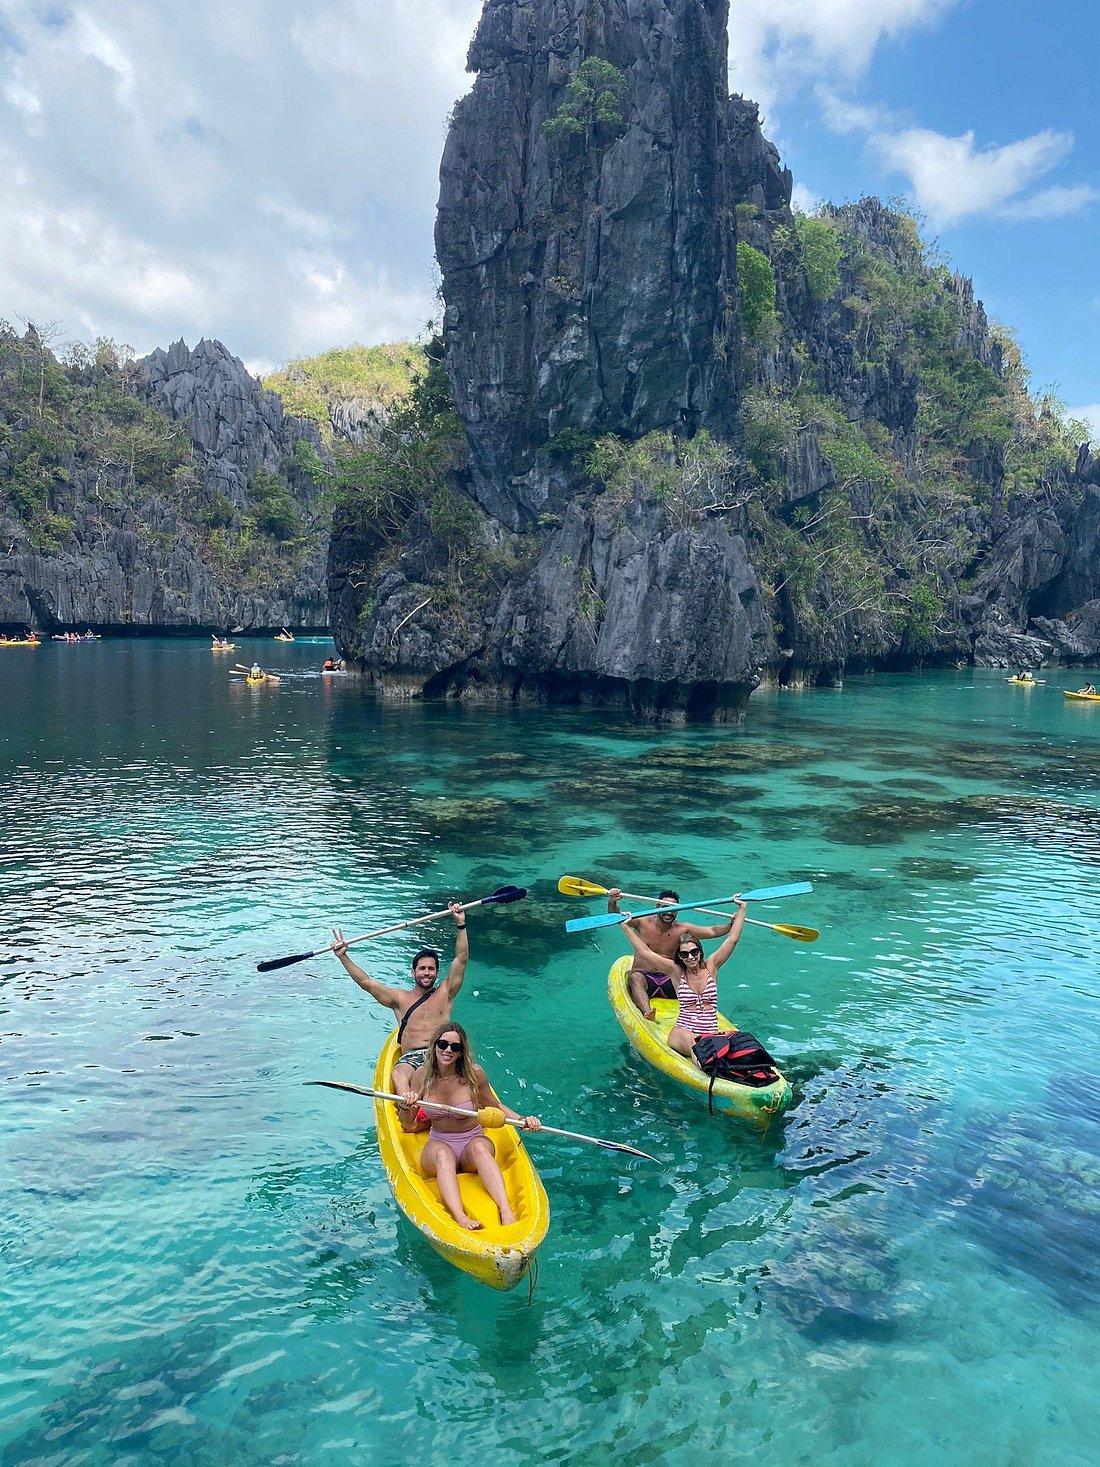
x,y
691,952
451,1046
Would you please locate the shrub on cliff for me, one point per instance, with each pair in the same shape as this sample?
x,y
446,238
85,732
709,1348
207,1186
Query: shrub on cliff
x,y
756,280
594,102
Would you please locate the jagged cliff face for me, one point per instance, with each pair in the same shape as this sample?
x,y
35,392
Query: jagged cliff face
x,y
874,487
589,276
134,550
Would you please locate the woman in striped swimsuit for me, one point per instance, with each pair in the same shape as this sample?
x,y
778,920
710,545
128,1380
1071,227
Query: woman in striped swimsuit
x,y
696,979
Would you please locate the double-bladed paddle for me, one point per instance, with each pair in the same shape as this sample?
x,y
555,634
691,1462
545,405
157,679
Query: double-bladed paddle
x,y
761,894
503,894
247,672
487,1117
577,886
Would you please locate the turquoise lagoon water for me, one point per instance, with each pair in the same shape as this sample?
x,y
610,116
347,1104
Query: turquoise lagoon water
x,y
201,1262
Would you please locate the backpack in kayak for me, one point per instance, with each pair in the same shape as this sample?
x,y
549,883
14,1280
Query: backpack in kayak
x,y
738,1056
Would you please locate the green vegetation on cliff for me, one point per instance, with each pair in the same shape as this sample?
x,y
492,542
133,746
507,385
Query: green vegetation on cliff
x,y
378,377
77,420
882,435
78,440
594,101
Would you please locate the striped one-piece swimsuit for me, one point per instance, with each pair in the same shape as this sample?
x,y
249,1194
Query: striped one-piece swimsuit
x,y
698,1011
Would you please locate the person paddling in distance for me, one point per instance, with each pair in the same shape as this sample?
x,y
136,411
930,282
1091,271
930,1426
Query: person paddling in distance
x,y
696,980
421,1009
451,1076
662,934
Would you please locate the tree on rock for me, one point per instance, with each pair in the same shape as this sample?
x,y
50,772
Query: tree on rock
x,y
593,100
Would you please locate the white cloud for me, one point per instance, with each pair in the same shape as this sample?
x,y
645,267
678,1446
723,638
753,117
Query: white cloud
x,y
1089,415
777,46
950,178
804,199
261,171
1054,203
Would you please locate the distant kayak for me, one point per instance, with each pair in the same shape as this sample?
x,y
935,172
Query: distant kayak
x,y
1081,697
280,638
1026,682
224,647
21,642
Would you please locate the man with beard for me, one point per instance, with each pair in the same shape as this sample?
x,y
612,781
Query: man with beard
x,y
421,1009
661,932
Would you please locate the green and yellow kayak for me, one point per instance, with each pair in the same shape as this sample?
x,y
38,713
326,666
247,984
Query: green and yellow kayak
x,y
649,1037
495,1255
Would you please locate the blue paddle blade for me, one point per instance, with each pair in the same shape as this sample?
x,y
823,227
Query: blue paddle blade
x,y
761,894
769,893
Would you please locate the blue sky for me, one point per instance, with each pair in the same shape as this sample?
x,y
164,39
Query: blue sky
x,y
266,172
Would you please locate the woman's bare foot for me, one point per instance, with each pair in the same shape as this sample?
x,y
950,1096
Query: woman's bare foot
x,y
471,1224
507,1217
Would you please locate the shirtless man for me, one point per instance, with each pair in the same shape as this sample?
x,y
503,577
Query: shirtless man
x,y
662,934
421,1009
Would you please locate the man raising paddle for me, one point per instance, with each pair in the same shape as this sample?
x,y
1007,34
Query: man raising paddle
x,y
662,934
421,1010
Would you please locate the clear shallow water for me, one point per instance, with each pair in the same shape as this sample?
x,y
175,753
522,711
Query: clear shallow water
x,y
201,1261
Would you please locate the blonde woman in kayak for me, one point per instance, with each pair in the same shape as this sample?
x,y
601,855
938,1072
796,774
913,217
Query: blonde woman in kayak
x,y
696,980
451,1076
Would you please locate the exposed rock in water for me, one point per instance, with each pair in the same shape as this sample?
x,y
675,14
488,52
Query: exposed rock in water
x,y
667,482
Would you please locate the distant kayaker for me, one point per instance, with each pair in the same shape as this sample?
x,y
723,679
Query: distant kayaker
x,y
1088,688
451,1076
662,934
255,670
696,980
421,1009
329,664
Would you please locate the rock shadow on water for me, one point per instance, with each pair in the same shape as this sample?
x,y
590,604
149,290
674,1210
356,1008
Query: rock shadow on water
x,y
138,1405
884,822
726,758
1030,1189
618,869
929,868
856,1143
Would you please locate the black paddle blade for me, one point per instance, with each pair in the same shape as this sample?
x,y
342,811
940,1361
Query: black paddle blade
x,y
506,894
340,1085
273,963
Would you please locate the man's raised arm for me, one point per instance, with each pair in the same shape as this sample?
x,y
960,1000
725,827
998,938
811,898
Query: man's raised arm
x,y
382,994
462,950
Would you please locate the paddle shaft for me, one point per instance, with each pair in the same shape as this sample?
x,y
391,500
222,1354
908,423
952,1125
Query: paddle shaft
x,y
763,893
455,1110
633,896
502,894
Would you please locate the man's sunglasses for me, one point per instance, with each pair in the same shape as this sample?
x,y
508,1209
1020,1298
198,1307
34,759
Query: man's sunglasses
x,y
450,1045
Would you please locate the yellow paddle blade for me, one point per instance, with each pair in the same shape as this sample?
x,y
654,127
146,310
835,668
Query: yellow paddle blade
x,y
491,1118
800,934
575,886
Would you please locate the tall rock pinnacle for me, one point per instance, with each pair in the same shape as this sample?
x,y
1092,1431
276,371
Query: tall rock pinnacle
x,y
588,265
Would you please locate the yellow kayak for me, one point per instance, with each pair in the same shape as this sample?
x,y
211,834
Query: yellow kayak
x,y
229,647
494,1255
22,642
1025,682
649,1037
283,639
1081,697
